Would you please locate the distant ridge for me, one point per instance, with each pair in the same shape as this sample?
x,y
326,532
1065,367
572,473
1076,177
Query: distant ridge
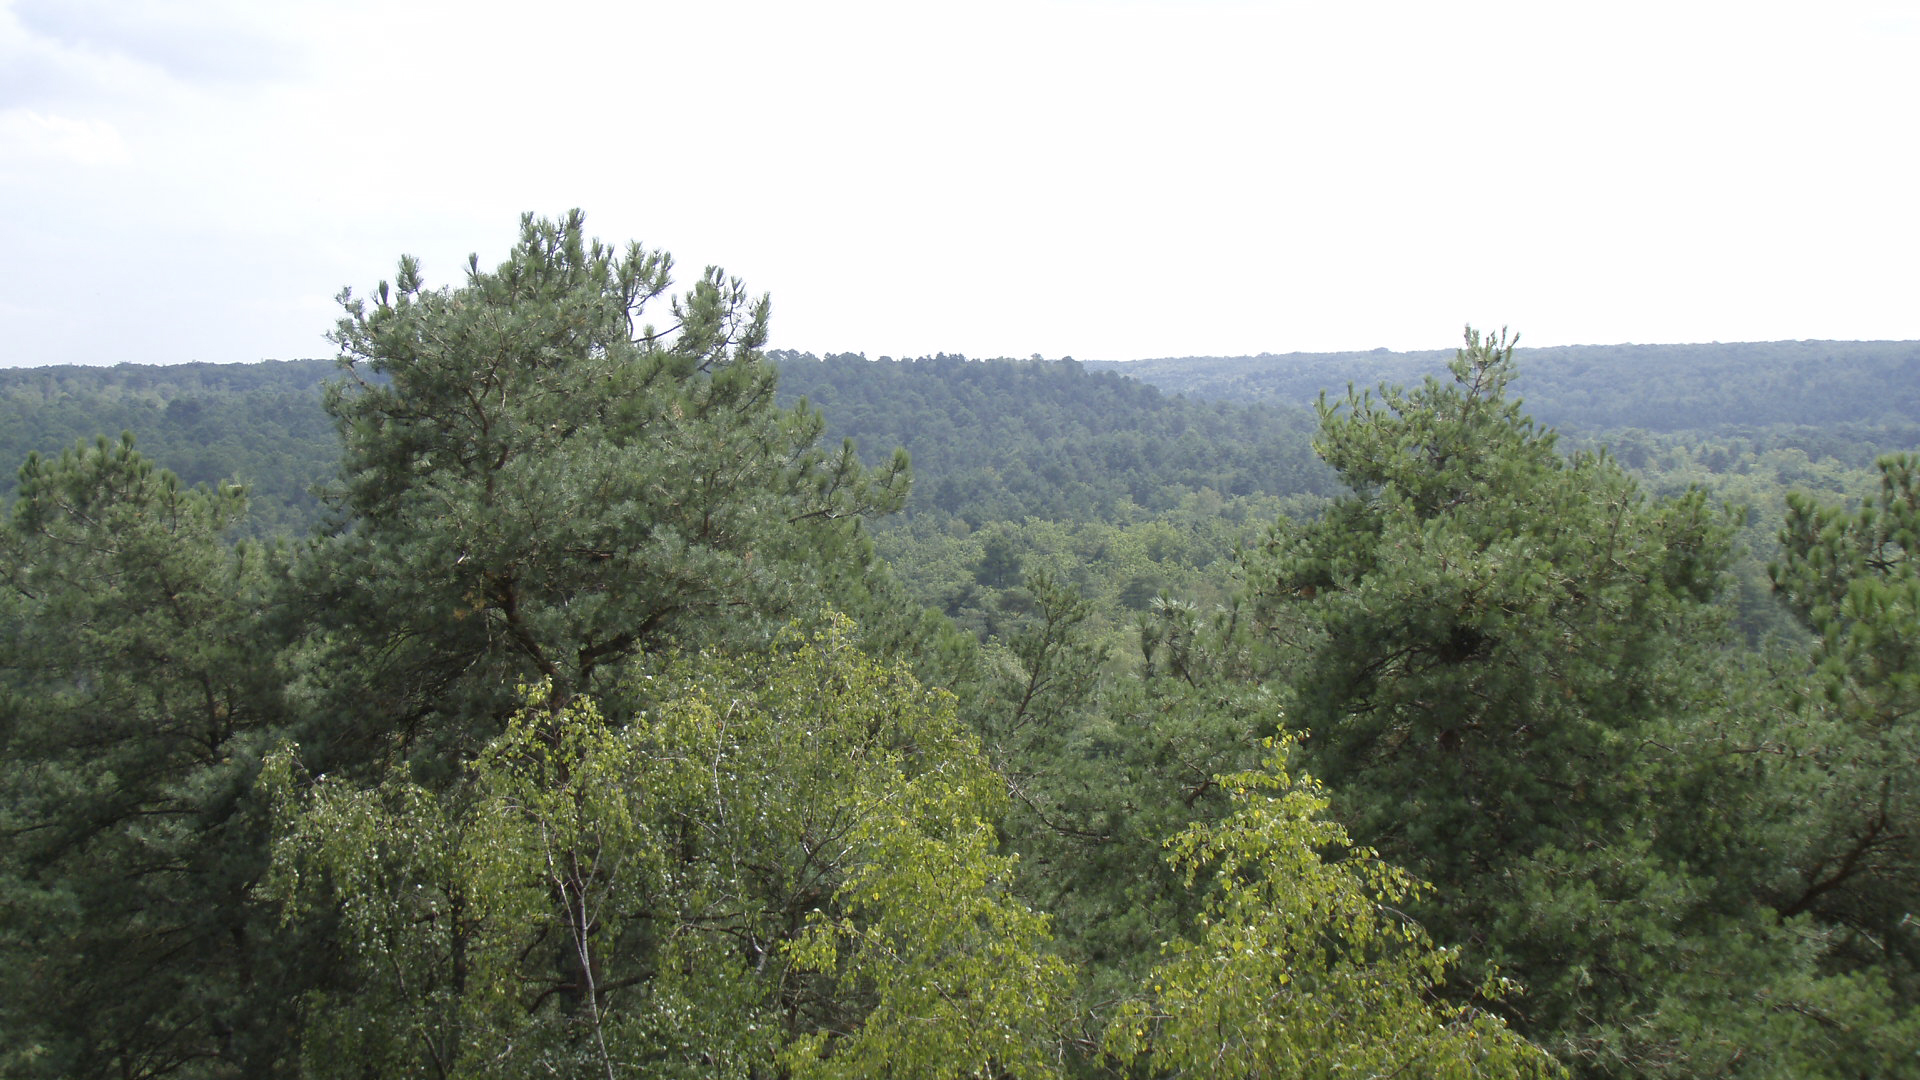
x,y
1602,387
991,440
1008,439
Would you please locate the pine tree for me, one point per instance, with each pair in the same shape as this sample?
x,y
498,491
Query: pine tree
x,y
1504,666
133,691
1495,629
1853,747
538,484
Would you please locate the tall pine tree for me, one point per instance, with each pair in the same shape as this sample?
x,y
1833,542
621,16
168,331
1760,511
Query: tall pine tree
x,y
1503,663
133,694
538,483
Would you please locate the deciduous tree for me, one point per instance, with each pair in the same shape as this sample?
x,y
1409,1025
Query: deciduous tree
x,y
1303,963
785,858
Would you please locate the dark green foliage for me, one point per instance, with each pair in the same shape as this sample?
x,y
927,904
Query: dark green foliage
x,y
1758,474
1119,567
1604,387
132,695
537,485
1494,621
1506,663
1854,577
260,425
1102,769
1009,439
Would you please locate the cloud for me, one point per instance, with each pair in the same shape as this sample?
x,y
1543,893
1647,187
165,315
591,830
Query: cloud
x,y
30,136
194,41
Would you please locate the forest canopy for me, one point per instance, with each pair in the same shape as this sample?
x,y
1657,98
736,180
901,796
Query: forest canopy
x,y
592,692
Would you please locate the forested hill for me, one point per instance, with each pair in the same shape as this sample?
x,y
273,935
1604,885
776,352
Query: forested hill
x,y
991,440
1661,388
1061,440
1010,439
258,423
526,769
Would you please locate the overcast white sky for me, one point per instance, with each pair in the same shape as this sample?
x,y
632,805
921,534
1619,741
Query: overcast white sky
x,y
1108,179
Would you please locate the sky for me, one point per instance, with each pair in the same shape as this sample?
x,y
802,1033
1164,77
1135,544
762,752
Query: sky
x,y
190,180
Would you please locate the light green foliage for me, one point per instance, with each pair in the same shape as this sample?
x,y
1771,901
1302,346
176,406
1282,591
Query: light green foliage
x,y
581,814
433,903
958,989
784,856
538,484
1303,964
130,693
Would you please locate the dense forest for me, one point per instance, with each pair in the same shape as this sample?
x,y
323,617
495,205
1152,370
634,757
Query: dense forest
x,y
1662,388
533,691
258,424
